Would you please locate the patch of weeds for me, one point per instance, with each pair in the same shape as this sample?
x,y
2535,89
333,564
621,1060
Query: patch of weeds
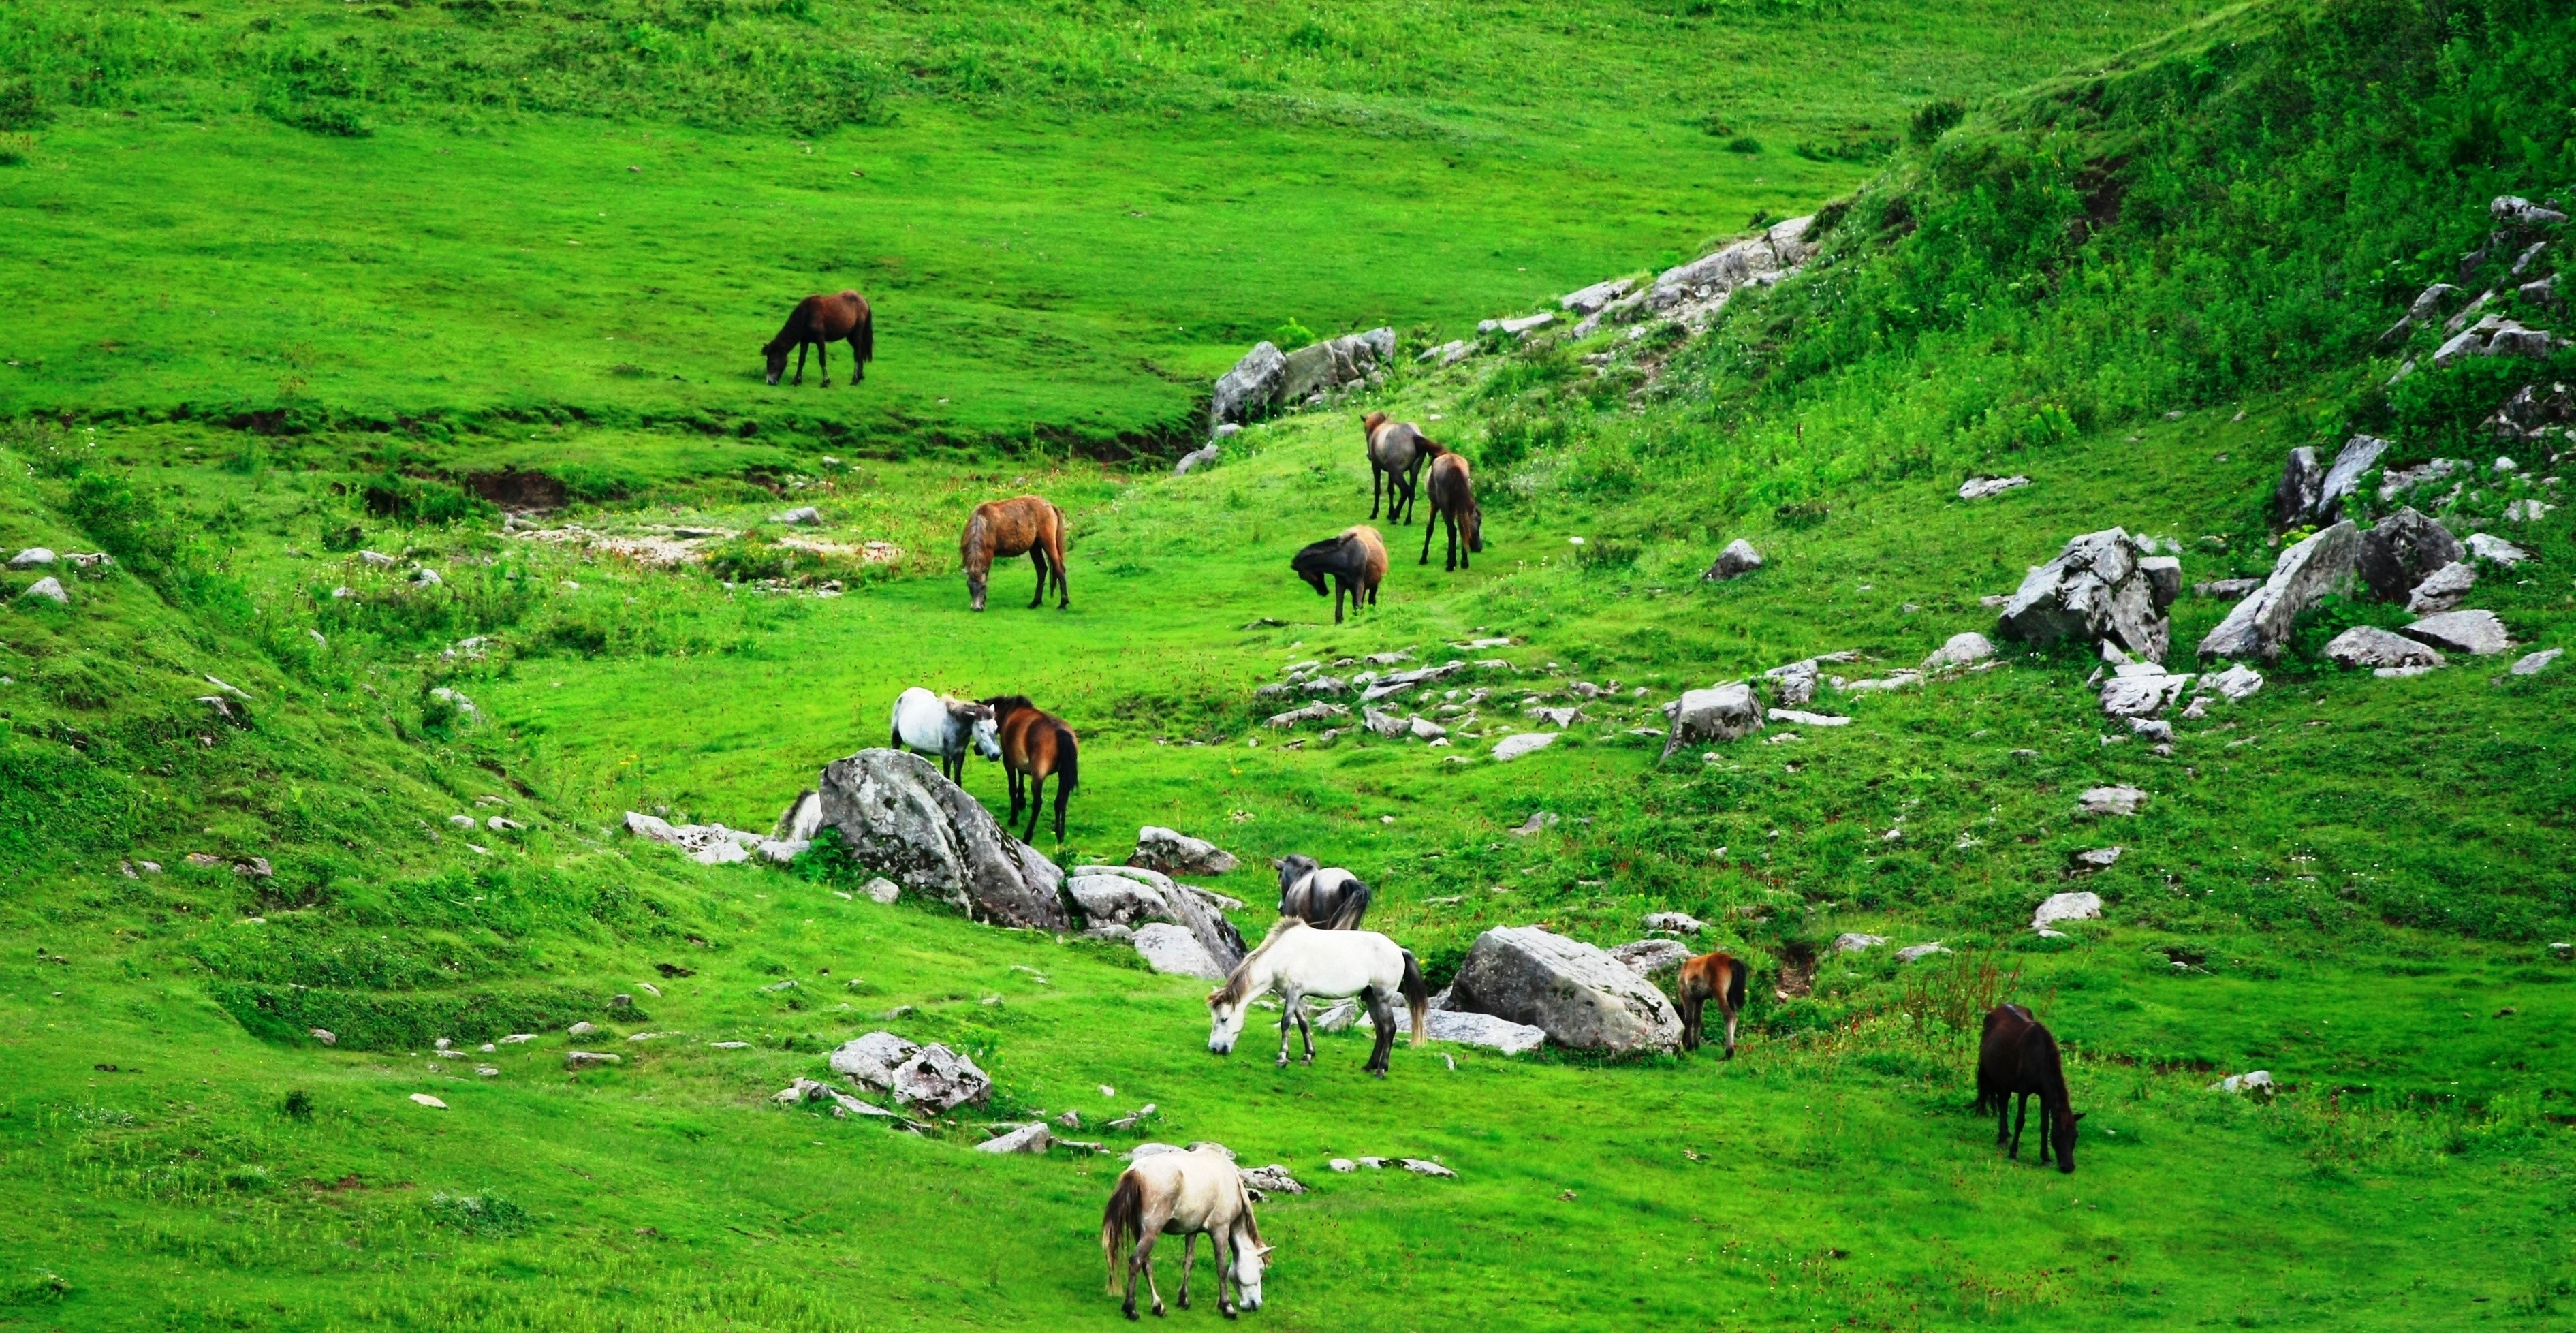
x,y
479,1214
297,1106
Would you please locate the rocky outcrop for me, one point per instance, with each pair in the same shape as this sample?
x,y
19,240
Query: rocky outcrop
x,y
2111,801
2442,589
1268,380
2260,625
1738,559
873,1059
2095,590
1248,390
1648,956
937,1080
2066,907
2141,690
1577,994
2401,551
1960,650
2308,494
1695,291
899,818
1722,713
1131,897
1175,853
1982,487
707,844
1173,949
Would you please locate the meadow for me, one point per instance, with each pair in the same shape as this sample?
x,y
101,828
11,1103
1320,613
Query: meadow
x,y
2350,882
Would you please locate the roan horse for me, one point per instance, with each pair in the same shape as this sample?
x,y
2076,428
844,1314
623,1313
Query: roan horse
x,y
1395,452
2018,1058
1189,1194
1296,960
1034,745
1453,503
1325,897
1356,560
1711,976
1025,525
818,322
937,724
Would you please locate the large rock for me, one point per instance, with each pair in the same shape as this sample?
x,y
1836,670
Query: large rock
x,y
1738,559
1317,367
1513,747
2359,455
2475,632
2096,589
1577,994
2371,646
2066,907
1173,949
1722,713
2260,625
1116,898
2113,800
2402,550
873,1059
899,818
48,589
1177,853
2294,497
1251,388
1033,1137
938,1080
2442,589
1499,1034
1961,650
2142,690
2494,549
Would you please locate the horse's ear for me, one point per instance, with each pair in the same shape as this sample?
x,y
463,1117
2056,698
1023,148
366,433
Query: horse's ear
x,y
1264,1251
1278,863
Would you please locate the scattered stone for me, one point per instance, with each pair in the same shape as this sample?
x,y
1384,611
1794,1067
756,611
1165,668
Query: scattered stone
x,y
1737,559
2141,690
1648,956
1794,683
2402,550
1343,1165
2157,733
1173,949
2478,633
31,557
1539,819
1029,1138
1251,387
1485,1030
1510,748
2099,858
873,1059
2532,664
2442,589
2113,800
1195,459
324,1035
2307,495
1420,1167
1980,487
377,558
1803,719
898,817
2260,625
1852,941
2094,590
578,1060
1176,853
1916,952
801,516
1577,994
1960,650
2496,550
584,1029
431,1102
2257,1084
422,576
881,890
1680,923
937,1080
1315,712
2371,646
1590,300
2070,906
1722,713
48,589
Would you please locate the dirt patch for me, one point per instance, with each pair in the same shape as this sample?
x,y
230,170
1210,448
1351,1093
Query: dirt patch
x,y
1797,972
517,491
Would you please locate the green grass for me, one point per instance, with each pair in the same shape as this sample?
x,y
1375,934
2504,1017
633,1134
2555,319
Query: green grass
x,y
2347,881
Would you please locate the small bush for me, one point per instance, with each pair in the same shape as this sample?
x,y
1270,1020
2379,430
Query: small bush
x,y
1744,143
335,119
479,1214
1934,120
297,1106
20,107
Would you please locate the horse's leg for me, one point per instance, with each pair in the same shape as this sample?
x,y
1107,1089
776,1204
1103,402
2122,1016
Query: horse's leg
x,y
800,364
1377,476
1730,1031
823,361
1288,1002
1339,587
1189,1256
1059,810
858,363
1690,1023
1037,802
1135,1267
1146,1247
2021,1113
1037,557
1382,1019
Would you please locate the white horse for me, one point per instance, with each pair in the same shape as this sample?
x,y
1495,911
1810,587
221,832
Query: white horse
x,y
937,724
1297,960
1188,1194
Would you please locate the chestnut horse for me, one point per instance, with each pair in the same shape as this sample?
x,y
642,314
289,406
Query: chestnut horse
x,y
1395,450
818,322
2017,1058
1453,502
1034,745
1025,525
1711,976
1356,561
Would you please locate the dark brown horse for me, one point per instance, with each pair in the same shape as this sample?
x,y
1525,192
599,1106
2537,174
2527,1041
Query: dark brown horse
x,y
2018,1059
818,322
1711,976
1356,562
1453,503
1395,451
1034,745
1025,525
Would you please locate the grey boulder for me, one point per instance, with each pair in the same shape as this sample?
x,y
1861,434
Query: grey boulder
x,y
1249,389
873,1059
2096,589
1577,994
1196,458
49,589
1177,853
2295,496
937,1080
1645,956
2477,633
1033,1137
2066,907
2112,800
1961,650
2442,589
2371,646
1486,1030
2260,625
899,818
2235,683
2532,664
1173,950
2402,550
1738,559
1680,923
1853,941
1723,713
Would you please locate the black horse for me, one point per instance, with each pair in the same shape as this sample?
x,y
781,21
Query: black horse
x,y
2018,1058
1326,897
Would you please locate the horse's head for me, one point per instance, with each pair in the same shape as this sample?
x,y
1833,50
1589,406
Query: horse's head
x,y
1372,421
1250,1257
1292,868
2062,1137
775,353
1472,524
1226,1006
974,577
986,735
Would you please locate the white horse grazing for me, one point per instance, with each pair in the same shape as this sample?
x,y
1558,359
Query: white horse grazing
x,y
1188,1194
1297,960
937,724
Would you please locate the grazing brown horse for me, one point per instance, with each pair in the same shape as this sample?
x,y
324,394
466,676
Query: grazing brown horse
x,y
1034,745
1453,503
1356,560
2018,1058
1396,450
1711,976
818,322
1025,525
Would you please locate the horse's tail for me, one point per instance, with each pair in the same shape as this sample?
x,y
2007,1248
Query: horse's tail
x,y
1417,997
1121,1221
865,344
1735,986
1354,905
1068,760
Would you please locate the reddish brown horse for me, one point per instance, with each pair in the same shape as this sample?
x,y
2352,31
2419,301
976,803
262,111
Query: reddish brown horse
x,y
818,322
1035,744
1453,503
1711,976
1025,525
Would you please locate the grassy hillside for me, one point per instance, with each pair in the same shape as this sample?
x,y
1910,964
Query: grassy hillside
x,y
2138,284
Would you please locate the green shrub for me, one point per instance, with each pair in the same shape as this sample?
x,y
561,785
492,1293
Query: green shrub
x,y
479,1214
1744,143
1933,120
421,501
21,107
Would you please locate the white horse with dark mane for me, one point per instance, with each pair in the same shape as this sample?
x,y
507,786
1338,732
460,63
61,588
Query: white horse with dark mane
x,y
937,724
1298,961
1187,1194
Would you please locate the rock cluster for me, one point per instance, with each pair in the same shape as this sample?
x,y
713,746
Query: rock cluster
x,y
1720,713
707,844
2310,495
2260,625
899,818
1268,380
1178,928
1176,853
2100,588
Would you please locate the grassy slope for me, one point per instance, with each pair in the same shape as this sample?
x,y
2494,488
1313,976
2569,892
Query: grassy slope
x,y
1838,1130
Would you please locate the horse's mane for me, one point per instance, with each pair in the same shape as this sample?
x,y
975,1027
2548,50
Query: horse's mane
x,y
1008,703
1240,979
